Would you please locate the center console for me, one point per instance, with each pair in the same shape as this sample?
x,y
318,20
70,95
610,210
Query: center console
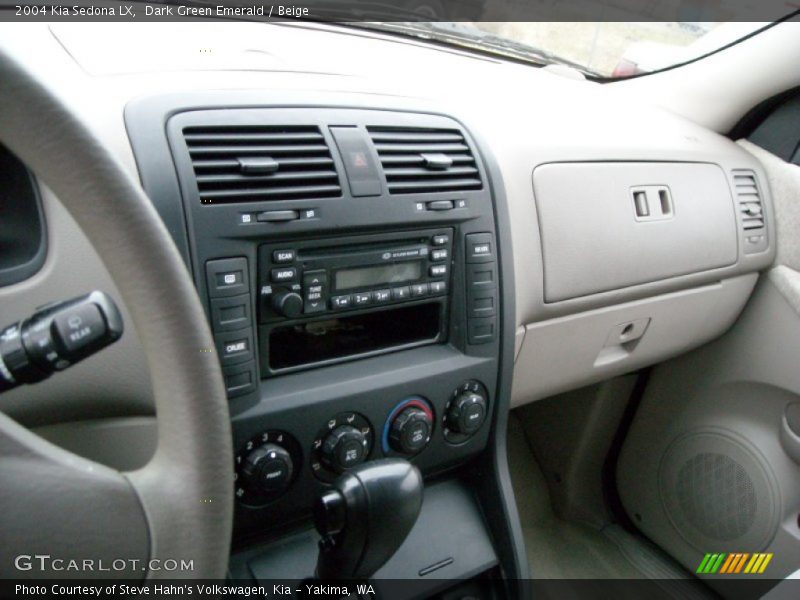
x,y
354,266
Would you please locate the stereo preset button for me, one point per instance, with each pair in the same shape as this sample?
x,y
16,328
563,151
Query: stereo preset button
x,y
438,287
401,293
283,256
382,295
438,270
440,240
419,289
439,254
283,275
340,302
362,298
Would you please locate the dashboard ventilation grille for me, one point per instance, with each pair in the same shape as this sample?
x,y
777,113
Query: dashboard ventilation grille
x,y
417,160
255,163
749,199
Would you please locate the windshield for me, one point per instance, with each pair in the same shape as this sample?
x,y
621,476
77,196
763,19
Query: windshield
x,y
600,49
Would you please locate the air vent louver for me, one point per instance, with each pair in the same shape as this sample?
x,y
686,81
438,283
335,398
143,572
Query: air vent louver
x,y
748,199
417,160
254,163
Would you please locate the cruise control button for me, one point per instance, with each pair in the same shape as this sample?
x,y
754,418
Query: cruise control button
x,y
283,275
362,298
339,302
438,270
382,295
419,289
235,347
283,256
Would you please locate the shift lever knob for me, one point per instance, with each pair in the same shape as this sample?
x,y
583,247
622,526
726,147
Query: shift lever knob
x,y
365,517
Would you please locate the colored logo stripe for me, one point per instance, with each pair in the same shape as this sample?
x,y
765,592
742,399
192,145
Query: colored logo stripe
x,y
711,563
733,563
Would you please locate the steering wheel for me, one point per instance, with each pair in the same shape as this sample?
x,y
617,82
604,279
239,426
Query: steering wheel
x,y
179,507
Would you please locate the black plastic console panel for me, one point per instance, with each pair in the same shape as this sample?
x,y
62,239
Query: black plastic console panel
x,y
462,548
366,388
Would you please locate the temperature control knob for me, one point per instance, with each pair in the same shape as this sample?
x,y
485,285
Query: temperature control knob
x,y
288,304
269,468
410,430
344,448
467,413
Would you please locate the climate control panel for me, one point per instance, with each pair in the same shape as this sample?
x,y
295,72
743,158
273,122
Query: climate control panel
x,y
408,428
465,412
344,442
425,430
265,467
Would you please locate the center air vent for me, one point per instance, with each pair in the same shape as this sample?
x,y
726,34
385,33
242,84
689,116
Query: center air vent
x,y
417,160
255,163
749,199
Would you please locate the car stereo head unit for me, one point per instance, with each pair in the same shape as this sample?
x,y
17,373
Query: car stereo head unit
x,y
323,300
310,278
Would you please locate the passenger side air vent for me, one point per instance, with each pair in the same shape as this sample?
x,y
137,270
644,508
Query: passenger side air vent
x,y
254,163
417,160
748,199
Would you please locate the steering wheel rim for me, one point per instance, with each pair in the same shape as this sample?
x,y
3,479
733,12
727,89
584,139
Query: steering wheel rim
x,y
180,505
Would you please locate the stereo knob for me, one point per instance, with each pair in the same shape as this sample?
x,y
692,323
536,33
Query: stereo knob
x,y
344,448
288,304
268,468
467,413
410,430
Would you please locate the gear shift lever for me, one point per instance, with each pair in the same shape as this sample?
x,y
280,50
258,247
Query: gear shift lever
x,y
365,517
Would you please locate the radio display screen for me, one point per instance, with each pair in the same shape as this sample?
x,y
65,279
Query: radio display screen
x,y
364,277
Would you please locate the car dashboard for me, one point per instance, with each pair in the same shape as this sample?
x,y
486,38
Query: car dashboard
x,y
394,243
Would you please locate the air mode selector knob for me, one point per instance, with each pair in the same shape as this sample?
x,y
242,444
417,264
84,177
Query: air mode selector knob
x,y
344,448
467,413
268,468
288,304
410,430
